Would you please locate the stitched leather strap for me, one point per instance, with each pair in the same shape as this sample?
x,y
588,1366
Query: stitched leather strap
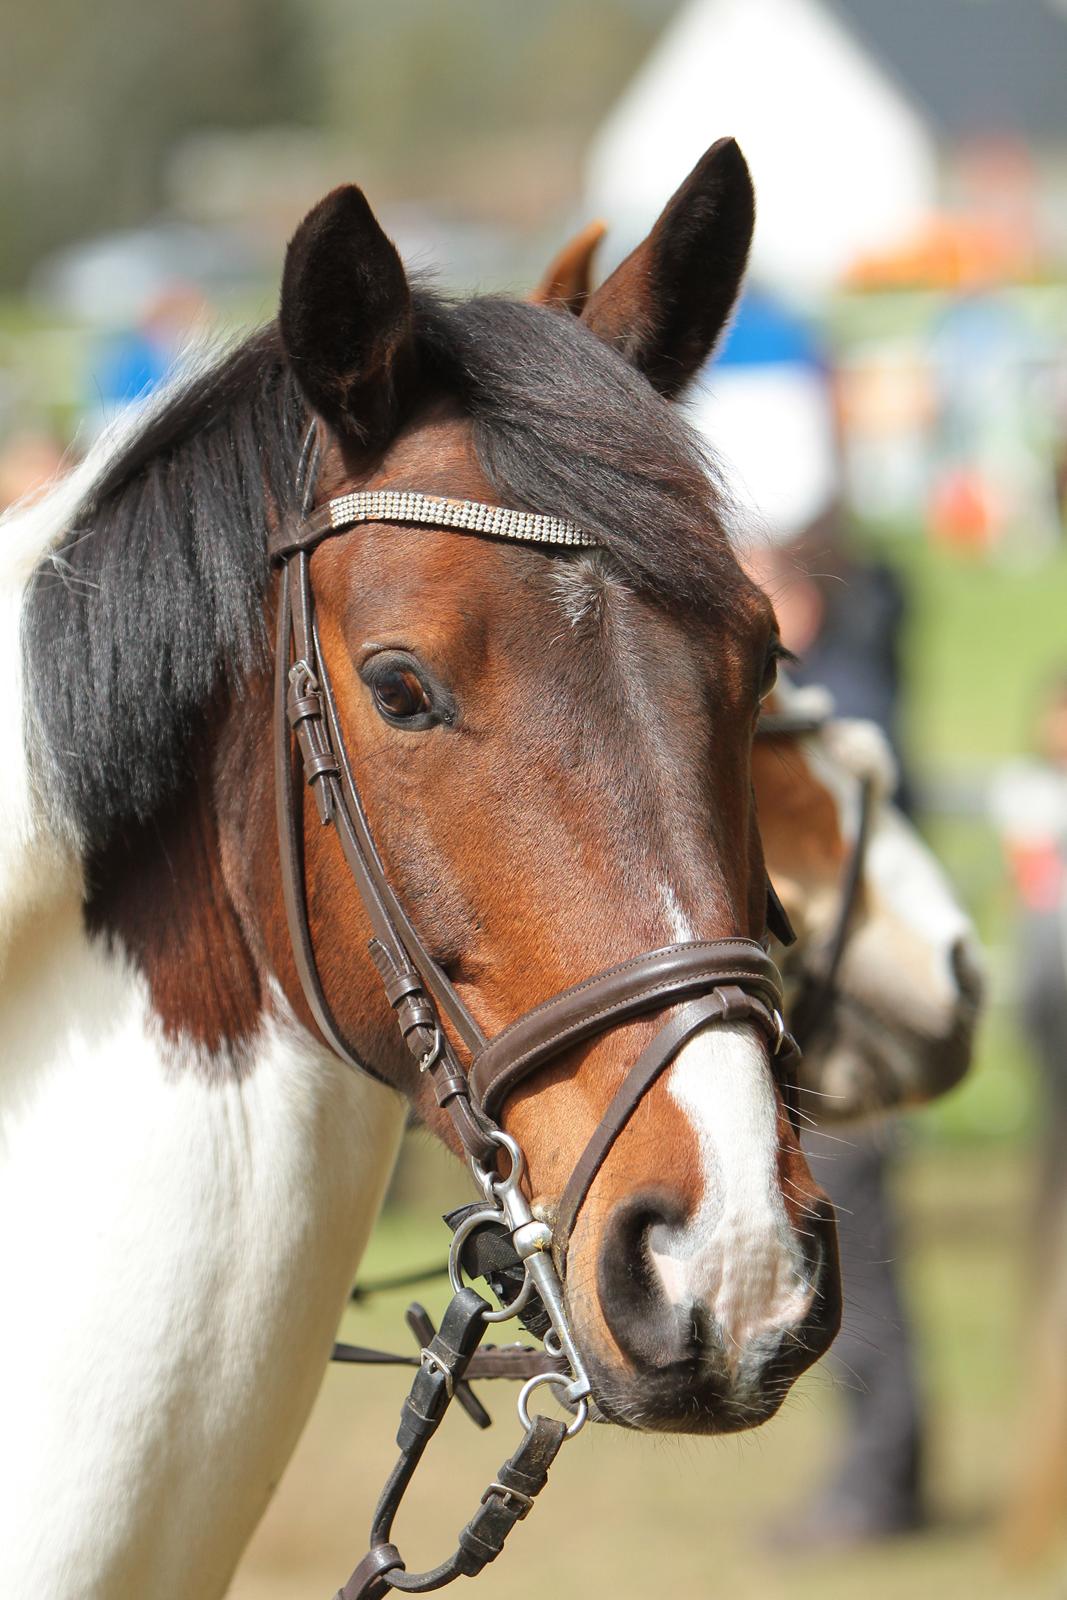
x,y
304,703
814,1005
648,982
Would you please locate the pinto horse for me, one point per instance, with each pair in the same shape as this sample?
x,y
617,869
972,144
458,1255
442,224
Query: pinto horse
x,y
553,747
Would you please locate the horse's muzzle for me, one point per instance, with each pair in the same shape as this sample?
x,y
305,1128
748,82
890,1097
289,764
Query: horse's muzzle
x,y
685,1365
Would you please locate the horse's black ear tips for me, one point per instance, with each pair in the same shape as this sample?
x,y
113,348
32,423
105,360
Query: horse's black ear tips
x,y
725,175
728,153
345,316
344,210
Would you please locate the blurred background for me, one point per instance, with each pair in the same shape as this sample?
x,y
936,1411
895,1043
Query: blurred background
x,y
893,399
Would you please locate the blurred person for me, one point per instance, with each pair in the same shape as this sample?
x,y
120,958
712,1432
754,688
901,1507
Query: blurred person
x,y
766,403
1029,808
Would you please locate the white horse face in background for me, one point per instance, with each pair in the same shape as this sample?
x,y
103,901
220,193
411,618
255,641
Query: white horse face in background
x,y
909,986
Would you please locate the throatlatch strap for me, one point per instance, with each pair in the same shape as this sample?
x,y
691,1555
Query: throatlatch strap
x,y
814,1004
291,845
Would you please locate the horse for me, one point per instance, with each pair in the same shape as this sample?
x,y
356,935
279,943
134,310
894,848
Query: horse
x,y
552,739
884,983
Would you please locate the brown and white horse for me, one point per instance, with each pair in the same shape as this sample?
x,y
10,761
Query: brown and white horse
x,y
554,750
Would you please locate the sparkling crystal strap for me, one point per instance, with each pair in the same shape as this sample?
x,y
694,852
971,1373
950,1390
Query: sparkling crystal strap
x,y
496,522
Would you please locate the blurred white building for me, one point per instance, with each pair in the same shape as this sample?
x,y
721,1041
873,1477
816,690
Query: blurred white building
x,y
858,118
841,159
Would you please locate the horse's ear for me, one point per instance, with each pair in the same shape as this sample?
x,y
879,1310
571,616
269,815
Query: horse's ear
x,y
568,277
346,318
666,305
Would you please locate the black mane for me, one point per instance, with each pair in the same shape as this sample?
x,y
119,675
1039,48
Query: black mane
x,y
155,595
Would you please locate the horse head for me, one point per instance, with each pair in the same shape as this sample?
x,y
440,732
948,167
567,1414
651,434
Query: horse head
x,y
898,1026
552,748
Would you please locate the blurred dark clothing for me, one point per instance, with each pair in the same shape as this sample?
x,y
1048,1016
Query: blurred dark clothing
x,y
1043,997
856,654
1043,1010
876,1486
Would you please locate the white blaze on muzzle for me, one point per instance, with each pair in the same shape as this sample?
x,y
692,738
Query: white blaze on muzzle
x,y
737,1254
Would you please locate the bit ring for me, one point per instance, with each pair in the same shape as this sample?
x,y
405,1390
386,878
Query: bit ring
x,y
558,1380
485,1219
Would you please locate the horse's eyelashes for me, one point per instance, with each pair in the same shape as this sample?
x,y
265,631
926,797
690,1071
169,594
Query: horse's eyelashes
x,y
776,653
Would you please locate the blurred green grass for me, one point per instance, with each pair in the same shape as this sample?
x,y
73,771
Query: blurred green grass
x,y
982,641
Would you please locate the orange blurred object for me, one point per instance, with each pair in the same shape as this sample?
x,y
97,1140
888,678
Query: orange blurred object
x,y
948,252
963,513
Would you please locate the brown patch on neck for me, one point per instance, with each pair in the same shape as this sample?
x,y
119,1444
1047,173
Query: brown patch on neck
x,y
157,893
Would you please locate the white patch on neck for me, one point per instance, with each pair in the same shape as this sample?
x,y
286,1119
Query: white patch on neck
x,y
175,1255
738,1254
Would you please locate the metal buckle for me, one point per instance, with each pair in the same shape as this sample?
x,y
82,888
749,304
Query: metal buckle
x,y
779,1024
302,680
556,1380
432,1055
431,1363
509,1496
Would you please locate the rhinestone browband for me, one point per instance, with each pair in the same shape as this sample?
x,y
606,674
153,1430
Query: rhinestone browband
x,y
496,522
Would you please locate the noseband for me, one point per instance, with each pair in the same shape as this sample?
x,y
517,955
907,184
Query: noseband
x,y
700,983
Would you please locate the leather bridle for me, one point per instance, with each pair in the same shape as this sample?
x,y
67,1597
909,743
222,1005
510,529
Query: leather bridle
x,y
699,983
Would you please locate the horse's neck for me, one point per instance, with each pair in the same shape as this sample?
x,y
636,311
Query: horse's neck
x,y
175,1252
179,1223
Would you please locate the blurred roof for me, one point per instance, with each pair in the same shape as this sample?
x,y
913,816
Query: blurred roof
x,y
972,66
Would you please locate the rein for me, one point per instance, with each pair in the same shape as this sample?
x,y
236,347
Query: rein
x,y
700,983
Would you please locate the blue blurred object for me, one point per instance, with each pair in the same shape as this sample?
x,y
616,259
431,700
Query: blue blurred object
x,y
766,332
126,366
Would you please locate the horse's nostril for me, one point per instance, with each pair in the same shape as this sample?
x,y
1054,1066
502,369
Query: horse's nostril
x,y
967,971
646,1327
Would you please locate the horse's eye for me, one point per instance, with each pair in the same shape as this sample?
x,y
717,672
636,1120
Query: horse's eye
x,y
400,694
775,654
